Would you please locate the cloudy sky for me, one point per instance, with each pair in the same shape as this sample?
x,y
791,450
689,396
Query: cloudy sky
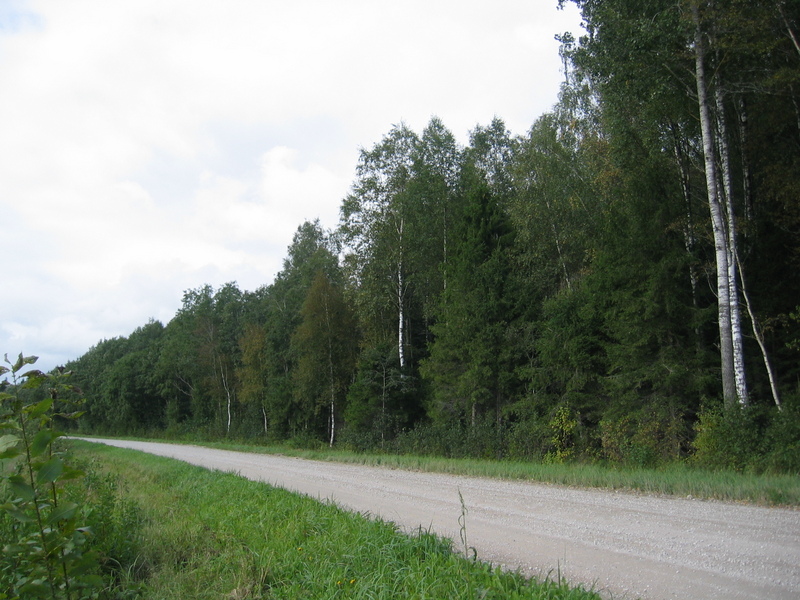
x,y
148,147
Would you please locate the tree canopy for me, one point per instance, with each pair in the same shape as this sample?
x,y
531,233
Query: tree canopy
x,y
619,283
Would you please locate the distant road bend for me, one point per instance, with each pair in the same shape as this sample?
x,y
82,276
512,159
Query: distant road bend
x,y
624,545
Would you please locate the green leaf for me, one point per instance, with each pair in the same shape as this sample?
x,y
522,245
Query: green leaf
x,y
5,395
21,488
3,370
70,473
10,453
83,565
34,379
43,439
17,513
50,471
8,446
71,416
40,408
8,441
63,512
22,361
35,589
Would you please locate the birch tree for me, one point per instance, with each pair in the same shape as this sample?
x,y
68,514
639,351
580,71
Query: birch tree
x,y
375,221
326,346
719,224
642,53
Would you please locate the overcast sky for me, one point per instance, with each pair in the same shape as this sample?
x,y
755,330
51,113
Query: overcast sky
x,y
148,147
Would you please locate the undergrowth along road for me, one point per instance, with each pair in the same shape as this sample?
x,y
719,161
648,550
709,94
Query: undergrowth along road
x,y
622,544
206,535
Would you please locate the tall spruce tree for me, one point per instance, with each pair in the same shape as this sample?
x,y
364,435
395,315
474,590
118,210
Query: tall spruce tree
x,y
471,362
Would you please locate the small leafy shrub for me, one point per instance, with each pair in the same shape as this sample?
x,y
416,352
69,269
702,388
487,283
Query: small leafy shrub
x,y
782,440
483,439
45,552
528,439
649,437
563,432
727,440
116,523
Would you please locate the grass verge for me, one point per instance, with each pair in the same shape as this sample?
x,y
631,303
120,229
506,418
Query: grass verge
x,y
217,535
678,479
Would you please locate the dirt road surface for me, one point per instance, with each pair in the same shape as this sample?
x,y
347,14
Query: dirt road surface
x,y
624,545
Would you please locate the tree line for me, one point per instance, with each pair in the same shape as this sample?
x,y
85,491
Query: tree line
x,y
620,283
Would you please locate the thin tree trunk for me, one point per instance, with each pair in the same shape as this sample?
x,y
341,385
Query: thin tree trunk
x,y
718,222
332,380
400,299
747,179
401,317
723,149
789,28
384,387
689,238
444,246
796,108
228,393
760,339
557,240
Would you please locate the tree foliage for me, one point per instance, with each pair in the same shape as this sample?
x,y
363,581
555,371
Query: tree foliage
x,y
598,288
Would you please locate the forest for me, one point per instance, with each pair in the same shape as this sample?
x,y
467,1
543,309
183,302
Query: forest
x,y
619,284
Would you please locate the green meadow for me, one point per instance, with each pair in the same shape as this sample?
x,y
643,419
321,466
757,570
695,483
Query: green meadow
x,y
193,533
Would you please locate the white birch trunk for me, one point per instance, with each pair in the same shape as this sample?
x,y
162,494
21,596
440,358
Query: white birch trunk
x,y
401,316
736,313
718,222
223,375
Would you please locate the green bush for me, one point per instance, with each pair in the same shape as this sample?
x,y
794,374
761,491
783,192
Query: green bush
x,y
528,439
781,451
756,438
649,437
727,439
484,439
116,523
45,553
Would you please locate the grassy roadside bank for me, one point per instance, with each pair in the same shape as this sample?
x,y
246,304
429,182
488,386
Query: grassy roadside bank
x,y
216,535
676,480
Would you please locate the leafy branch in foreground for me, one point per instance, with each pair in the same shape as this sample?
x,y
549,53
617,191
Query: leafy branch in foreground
x,y
48,559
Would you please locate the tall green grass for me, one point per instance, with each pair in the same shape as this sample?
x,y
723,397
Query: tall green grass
x,y
217,535
677,479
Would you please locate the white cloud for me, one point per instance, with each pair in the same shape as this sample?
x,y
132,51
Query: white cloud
x,y
149,147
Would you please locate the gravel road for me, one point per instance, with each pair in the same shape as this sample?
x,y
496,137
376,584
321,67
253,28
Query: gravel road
x,y
624,545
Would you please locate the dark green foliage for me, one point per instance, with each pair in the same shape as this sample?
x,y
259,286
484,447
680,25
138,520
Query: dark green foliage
x,y
325,343
752,440
471,363
551,297
377,400
482,439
